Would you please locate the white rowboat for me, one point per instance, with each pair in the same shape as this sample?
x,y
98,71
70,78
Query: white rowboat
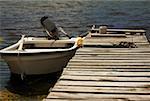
x,y
39,55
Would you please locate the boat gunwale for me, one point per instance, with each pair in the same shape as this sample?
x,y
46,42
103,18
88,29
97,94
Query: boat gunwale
x,y
34,53
6,52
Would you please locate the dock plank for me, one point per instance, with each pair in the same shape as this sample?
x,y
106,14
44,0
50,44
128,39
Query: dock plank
x,y
108,67
99,73
84,96
109,64
119,50
102,78
123,30
99,90
135,39
113,53
111,61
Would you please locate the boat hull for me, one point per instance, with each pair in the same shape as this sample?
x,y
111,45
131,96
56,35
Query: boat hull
x,y
38,63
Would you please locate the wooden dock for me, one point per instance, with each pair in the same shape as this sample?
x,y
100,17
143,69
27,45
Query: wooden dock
x,y
106,74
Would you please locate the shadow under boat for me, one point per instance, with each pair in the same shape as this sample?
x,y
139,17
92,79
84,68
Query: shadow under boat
x,y
32,84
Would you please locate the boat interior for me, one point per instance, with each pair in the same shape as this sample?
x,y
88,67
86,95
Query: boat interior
x,y
40,43
44,43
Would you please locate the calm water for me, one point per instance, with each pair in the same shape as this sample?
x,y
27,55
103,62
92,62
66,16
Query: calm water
x,y
19,17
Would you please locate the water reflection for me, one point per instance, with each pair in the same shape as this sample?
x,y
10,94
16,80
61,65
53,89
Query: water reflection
x,y
32,85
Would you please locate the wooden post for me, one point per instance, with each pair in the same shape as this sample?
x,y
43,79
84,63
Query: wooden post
x,y
103,29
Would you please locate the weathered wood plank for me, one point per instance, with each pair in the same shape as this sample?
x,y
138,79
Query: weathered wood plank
x,y
95,99
99,73
115,40
98,44
99,90
101,78
103,84
123,30
78,99
127,30
119,50
128,37
107,35
114,53
142,89
98,96
110,44
110,61
83,57
110,49
111,69
113,56
105,56
108,66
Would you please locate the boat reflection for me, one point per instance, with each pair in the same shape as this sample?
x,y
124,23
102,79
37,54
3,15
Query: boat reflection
x,y
32,85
